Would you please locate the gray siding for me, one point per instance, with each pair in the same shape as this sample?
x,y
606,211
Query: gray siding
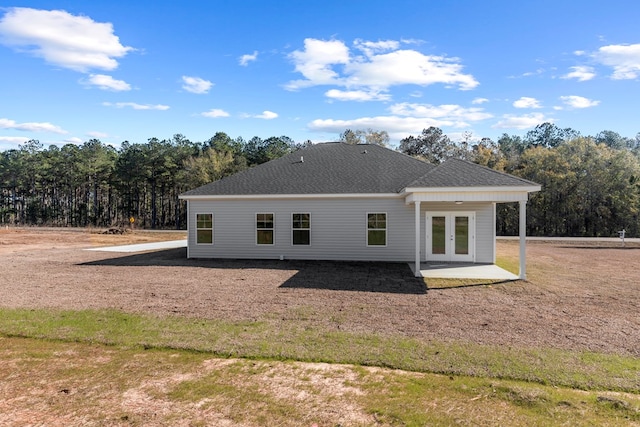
x,y
338,229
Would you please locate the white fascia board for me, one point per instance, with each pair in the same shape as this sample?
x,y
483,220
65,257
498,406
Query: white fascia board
x,y
497,196
294,196
495,189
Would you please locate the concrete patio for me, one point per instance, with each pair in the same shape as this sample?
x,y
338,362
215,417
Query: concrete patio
x,y
143,247
463,271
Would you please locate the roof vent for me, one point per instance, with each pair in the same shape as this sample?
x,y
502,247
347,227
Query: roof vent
x,y
364,152
301,159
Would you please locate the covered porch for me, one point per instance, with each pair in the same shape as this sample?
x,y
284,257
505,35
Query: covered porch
x,y
427,264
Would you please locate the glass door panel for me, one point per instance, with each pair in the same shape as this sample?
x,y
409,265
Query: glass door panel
x,y
438,235
462,235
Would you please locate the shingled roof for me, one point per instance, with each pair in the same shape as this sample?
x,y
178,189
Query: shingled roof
x,y
338,168
461,173
327,168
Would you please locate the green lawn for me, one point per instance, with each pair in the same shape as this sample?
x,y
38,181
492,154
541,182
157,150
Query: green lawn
x,y
423,383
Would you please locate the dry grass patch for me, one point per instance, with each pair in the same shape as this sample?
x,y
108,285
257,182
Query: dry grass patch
x,y
574,324
98,238
58,384
20,239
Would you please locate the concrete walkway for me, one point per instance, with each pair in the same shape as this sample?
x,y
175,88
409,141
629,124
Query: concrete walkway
x,y
464,271
143,247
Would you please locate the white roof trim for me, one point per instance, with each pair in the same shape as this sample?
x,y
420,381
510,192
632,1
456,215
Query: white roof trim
x,y
493,189
467,196
294,196
472,193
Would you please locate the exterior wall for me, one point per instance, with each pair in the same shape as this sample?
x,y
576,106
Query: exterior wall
x,y
485,226
338,229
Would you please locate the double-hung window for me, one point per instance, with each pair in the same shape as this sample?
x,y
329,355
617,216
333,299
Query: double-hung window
x,y
204,229
376,229
301,229
264,228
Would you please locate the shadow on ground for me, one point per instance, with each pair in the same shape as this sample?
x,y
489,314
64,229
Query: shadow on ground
x,y
383,277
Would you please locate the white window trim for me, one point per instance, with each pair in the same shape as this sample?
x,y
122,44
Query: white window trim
x,y
386,229
293,228
212,228
273,229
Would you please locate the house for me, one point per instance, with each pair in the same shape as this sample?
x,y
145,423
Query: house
x,y
335,201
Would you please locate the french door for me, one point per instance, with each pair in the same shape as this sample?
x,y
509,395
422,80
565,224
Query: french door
x,y
451,236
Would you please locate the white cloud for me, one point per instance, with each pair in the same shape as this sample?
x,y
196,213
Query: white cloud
x,y
196,84
382,66
215,113
107,83
12,142
464,136
527,102
397,127
406,119
537,72
389,123
574,101
73,140
580,73
245,59
370,48
356,95
449,112
408,67
96,134
74,42
525,121
14,139
136,106
478,101
267,115
31,126
624,59
316,60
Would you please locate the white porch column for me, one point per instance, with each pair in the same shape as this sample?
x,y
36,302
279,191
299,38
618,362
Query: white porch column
x,y
417,228
523,240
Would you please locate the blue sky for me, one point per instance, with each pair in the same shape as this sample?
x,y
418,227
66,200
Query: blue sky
x,y
127,70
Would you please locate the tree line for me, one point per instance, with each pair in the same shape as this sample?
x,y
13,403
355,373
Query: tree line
x,y
94,184
590,184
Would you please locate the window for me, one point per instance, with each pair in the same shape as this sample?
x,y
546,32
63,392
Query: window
x,y
301,229
264,229
204,229
376,229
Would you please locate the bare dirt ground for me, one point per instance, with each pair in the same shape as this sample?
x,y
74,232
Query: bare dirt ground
x,y
578,297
